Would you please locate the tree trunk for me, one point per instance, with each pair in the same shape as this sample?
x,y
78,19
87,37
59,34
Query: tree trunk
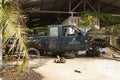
x,y
0,50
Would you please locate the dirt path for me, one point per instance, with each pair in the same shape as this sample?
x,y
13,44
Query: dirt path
x,y
89,68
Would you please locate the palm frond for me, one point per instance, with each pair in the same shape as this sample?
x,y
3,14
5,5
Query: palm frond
x,y
11,21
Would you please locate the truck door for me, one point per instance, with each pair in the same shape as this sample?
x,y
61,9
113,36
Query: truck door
x,y
53,39
72,39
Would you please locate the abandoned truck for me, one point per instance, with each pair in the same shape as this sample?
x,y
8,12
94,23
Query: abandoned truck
x,y
65,39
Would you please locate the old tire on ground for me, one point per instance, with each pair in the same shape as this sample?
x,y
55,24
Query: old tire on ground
x,y
33,53
69,56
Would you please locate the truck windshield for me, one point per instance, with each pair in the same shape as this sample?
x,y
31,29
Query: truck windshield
x,y
70,31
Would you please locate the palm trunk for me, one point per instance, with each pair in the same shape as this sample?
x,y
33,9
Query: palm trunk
x,y
0,50
1,42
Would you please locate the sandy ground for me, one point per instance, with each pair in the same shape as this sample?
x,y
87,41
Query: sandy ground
x,y
90,69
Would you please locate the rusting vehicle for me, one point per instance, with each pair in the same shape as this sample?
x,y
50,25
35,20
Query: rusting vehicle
x,y
100,37
62,39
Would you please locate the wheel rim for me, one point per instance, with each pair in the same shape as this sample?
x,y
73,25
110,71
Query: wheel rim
x,y
33,53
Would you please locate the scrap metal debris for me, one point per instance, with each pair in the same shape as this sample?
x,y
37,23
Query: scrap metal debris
x,y
77,71
59,59
116,56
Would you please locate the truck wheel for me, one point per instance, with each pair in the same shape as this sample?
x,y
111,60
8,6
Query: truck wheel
x,y
93,53
42,53
97,53
33,53
69,56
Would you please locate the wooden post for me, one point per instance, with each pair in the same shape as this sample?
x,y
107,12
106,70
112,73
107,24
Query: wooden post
x,y
69,5
77,6
91,6
84,5
98,6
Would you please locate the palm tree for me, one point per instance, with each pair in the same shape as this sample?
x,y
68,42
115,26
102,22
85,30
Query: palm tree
x,y
11,24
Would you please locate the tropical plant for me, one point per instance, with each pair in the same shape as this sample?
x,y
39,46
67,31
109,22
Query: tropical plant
x,y
115,35
87,19
11,23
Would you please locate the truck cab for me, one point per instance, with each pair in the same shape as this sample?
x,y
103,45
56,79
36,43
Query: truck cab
x,y
64,38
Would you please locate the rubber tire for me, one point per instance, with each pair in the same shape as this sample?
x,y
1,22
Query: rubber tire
x,y
69,56
36,52
93,54
97,53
